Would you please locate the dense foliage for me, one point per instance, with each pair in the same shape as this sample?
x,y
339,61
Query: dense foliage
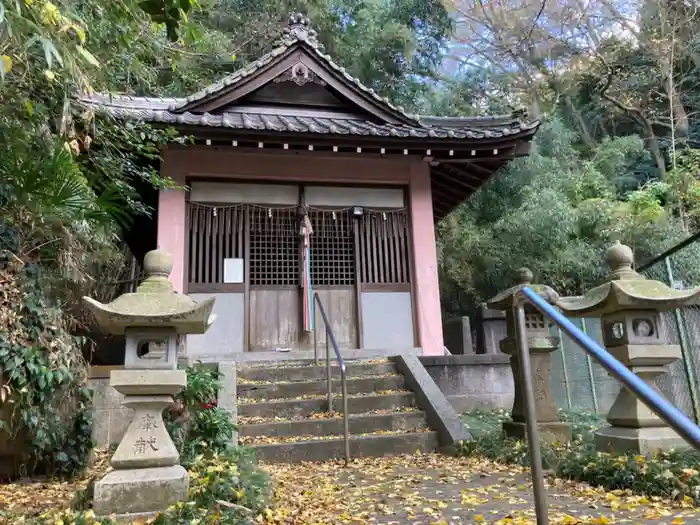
x,y
196,422
615,84
556,212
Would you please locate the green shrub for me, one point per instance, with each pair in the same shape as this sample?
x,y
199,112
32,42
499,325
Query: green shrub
x,y
224,489
196,423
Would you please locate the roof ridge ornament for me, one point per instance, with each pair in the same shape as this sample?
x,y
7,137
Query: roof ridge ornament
x,y
299,30
620,260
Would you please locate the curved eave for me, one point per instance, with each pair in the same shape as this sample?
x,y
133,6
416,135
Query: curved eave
x,y
619,295
459,166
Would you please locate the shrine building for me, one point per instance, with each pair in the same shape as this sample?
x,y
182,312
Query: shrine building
x,y
302,180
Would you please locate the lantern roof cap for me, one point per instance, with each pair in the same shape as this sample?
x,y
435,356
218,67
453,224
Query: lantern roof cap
x,y
510,297
154,304
627,290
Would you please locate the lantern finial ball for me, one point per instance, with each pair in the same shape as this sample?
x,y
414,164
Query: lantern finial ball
x,y
619,256
524,276
157,263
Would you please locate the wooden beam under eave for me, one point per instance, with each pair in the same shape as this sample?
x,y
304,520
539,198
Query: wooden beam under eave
x,y
439,211
484,173
448,202
453,173
470,188
445,196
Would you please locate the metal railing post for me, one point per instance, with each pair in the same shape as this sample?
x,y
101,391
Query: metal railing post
x,y
315,338
533,435
331,342
683,340
328,373
346,416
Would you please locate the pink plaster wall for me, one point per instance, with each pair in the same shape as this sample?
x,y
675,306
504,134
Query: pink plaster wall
x,y
181,163
425,280
171,226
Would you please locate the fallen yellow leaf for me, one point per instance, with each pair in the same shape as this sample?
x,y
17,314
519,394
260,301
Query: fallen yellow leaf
x,y
6,63
569,520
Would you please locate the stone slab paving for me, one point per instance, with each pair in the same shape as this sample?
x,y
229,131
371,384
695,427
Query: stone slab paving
x,y
437,490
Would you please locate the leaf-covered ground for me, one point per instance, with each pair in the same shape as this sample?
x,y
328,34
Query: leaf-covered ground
x,y
439,490
423,489
32,497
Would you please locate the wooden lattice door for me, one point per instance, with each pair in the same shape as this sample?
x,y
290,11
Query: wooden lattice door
x,y
274,308
334,272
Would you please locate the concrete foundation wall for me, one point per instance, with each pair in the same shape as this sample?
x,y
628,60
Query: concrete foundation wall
x,y
225,337
468,381
110,418
473,381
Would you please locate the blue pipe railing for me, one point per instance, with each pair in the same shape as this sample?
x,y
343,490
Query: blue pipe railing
x,y
675,419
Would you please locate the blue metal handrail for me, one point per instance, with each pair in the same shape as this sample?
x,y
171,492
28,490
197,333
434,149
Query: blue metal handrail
x,y
678,421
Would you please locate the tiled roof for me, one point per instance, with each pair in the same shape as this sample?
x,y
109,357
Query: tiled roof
x,y
181,111
158,110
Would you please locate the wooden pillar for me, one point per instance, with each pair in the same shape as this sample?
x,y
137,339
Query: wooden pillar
x,y
171,223
425,279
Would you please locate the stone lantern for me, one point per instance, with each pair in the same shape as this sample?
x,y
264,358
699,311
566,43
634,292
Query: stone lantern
x,y
541,345
147,476
629,306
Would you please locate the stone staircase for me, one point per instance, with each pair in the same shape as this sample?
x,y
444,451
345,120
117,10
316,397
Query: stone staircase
x,y
282,412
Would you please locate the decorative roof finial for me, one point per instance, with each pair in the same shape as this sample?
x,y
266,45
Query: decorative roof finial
x,y
620,259
299,30
524,276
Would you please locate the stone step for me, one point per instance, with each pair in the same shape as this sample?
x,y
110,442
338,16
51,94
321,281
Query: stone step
x,y
360,446
358,385
290,408
310,372
359,424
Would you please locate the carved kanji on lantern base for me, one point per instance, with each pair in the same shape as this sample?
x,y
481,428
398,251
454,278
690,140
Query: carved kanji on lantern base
x,y
147,477
541,345
629,307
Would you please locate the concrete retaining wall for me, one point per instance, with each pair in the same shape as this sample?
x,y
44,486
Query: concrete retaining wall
x,y
473,381
110,418
468,382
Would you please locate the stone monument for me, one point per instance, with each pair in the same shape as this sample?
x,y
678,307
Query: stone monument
x,y
541,345
147,477
629,306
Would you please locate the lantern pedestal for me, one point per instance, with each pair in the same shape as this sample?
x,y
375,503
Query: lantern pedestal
x,y
147,477
647,440
634,427
540,345
552,430
142,492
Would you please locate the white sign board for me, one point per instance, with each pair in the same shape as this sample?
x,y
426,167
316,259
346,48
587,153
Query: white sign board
x,y
233,271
